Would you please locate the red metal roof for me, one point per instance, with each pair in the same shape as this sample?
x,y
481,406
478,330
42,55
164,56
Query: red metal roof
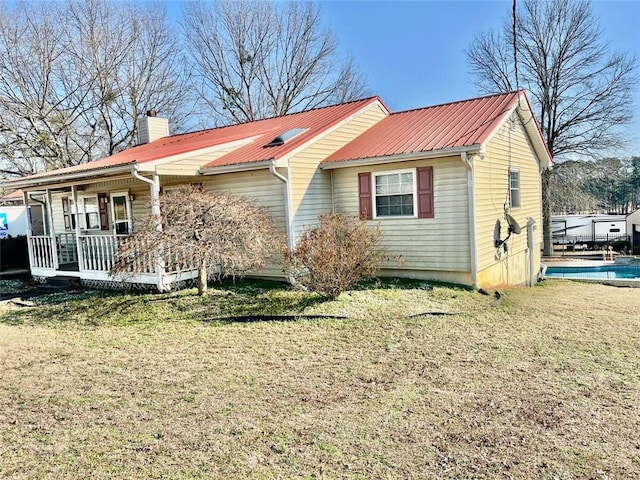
x,y
15,195
315,121
451,125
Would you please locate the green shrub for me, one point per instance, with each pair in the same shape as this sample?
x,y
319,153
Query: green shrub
x,y
334,256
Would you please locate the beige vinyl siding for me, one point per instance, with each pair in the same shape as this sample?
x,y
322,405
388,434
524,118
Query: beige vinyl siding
x,y
191,165
139,206
265,190
420,244
508,148
310,186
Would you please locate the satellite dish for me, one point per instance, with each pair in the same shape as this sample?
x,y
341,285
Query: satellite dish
x,y
513,225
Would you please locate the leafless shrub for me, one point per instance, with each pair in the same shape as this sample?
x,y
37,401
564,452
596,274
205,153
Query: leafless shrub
x,y
332,257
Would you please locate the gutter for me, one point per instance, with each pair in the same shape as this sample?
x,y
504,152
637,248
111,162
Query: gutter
x,y
44,180
287,202
403,157
154,186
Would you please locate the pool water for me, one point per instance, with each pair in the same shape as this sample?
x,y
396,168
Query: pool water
x,y
609,272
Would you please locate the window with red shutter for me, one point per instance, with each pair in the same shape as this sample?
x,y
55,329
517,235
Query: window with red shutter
x,y
401,193
66,213
425,192
103,201
364,195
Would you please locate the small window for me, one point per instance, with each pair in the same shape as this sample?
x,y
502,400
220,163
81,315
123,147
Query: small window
x,y
91,213
395,194
614,230
514,188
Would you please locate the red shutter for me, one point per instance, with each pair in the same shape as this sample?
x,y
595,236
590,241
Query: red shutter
x,y
364,194
102,208
66,214
425,192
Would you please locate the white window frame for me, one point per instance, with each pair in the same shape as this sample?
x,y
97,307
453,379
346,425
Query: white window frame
x,y
519,189
83,222
113,213
374,195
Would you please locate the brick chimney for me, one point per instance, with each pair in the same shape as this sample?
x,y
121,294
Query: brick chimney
x,y
151,127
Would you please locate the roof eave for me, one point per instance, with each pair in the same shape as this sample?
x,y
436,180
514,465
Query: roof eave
x,y
402,157
54,179
532,127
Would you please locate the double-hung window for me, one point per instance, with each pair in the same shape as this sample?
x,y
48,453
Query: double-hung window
x,y
91,213
395,194
514,188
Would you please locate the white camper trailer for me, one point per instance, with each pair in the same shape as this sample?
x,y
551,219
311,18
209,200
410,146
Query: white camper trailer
x,y
592,231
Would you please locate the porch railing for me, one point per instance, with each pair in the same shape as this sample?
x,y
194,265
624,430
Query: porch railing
x,y
67,248
42,252
98,252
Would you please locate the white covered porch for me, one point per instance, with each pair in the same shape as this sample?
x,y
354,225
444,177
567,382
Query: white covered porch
x,y
75,230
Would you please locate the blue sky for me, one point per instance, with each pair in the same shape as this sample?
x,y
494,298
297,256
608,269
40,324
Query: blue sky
x,y
412,52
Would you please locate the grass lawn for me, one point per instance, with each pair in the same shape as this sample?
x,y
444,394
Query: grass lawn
x,y
545,385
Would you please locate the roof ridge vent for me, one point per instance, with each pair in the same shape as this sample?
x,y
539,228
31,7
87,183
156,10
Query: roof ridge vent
x,y
285,137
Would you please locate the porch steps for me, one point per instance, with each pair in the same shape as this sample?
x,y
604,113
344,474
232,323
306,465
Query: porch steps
x,y
59,283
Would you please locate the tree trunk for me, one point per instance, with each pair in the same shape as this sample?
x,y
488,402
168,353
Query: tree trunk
x,y
202,279
546,214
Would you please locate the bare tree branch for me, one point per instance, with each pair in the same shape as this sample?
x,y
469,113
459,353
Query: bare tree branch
x,y
257,59
75,76
581,91
218,234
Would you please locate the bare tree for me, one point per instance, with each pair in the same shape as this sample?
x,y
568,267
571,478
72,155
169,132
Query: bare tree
x,y
257,59
216,233
75,76
581,91
569,188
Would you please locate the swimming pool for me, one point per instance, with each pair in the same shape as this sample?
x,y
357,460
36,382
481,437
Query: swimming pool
x,y
606,272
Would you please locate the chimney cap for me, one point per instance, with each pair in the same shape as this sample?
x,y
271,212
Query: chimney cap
x,y
151,113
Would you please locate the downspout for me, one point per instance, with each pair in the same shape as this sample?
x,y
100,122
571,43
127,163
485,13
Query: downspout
x,y
154,186
473,239
287,202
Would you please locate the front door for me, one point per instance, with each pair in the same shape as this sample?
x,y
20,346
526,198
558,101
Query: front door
x,y
38,220
121,211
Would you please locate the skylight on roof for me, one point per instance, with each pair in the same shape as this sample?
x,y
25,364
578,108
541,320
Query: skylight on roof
x,y
285,137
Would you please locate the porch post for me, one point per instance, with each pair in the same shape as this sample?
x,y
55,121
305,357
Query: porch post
x,y
25,199
154,187
79,254
155,209
52,231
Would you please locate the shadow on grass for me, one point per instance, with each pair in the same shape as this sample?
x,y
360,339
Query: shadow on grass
x,y
247,299
391,283
241,301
